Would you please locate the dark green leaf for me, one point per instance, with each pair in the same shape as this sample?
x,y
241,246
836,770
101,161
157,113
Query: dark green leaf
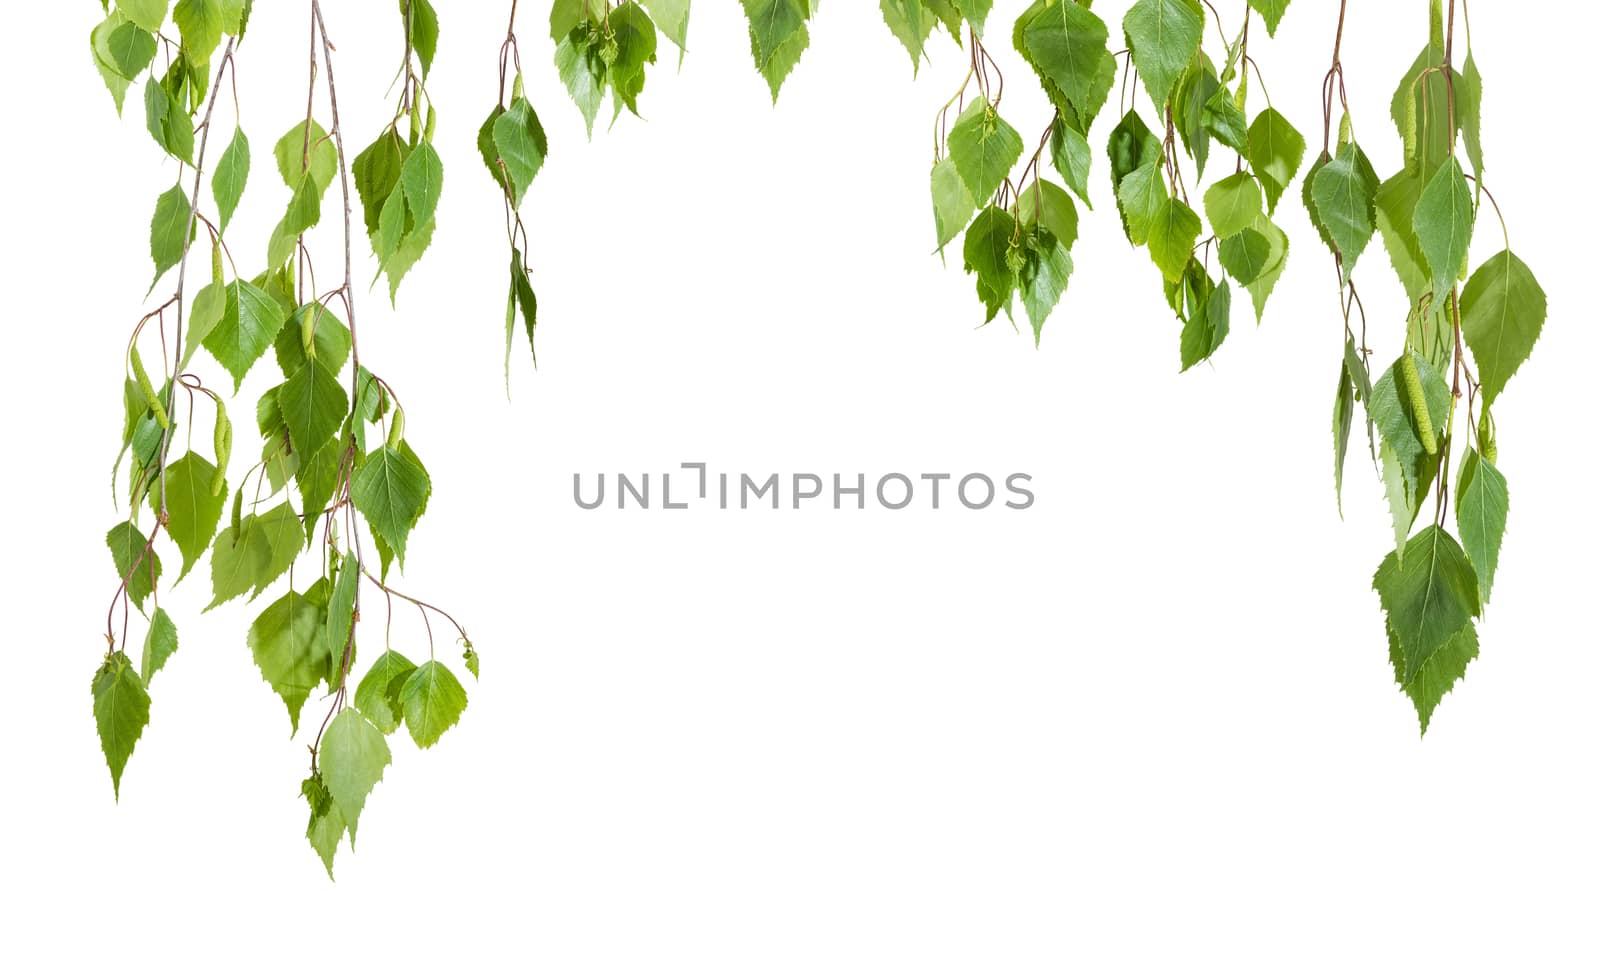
x,y
1482,502
159,644
984,149
121,712
1502,313
1164,36
378,695
140,568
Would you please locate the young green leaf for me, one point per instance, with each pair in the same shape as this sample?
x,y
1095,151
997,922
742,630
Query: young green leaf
x,y
1344,191
583,72
1245,256
313,406
1271,12
520,146
193,511
390,488
433,700
1276,150
1502,313
1164,36
285,641
909,24
138,566
985,252
1233,204
1140,198
250,321
326,826
168,230
1442,670
1207,325
227,181
200,25
121,712
378,696
422,31
352,759
149,14
131,48
1443,222
1046,266
984,149
159,644
778,37
672,16
953,205
1482,502
1066,44
1173,231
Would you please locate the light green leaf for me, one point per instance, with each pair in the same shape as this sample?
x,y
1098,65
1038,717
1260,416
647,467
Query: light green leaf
x,y
378,695
1164,36
1502,312
200,25
139,567
1277,259
583,72
1044,203
1072,157
974,12
423,31
1276,150
1482,502
250,321
286,643
131,48
1271,12
1140,197
1344,408
1173,232
778,37
1443,223
168,230
244,560
326,826
390,489
433,700
193,511
1206,327
672,16
1408,469
352,759
338,627
1448,664
470,658
330,340
305,149
1344,192
121,712
909,24
167,122
422,178
1469,110
953,205
149,14
1044,274
228,179
313,405
159,644
984,149
1233,204
1430,596
1396,206
520,144
106,62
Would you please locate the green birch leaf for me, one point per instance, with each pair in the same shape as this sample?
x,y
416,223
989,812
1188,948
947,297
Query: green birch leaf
x,y
286,642
1482,502
352,758
567,14
1140,198
1244,256
330,340
1469,111
1045,204
377,173
149,14
1502,312
583,72
433,700
1344,408
778,37
1225,121
159,644
1206,327
974,12
1277,259
1271,12
105,62
121,712
200,25
909,24
1420,109
1072,157
984,253
635,37
520,146
167,122
338,624
1232,204
1067,44
313,406
227,181
1430,596
378,695
672,16
168,230
141,568
131,49
1276,151
527,302
1344,192
1044,274
470,659
488,150
953,205
1164,36
305,150
250,321
1407,468
193,511
1396,205
422,25
247,558
1447,666
1443,223
1173,232
390,489
326,827
984,149
1130,146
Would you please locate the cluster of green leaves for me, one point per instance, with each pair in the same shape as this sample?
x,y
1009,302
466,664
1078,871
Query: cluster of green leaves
x,y
1431,586
1203,107
332,440
513,145
400,178
601,47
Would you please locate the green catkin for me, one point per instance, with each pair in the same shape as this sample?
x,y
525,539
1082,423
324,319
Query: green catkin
x,y
222,442
1419,403
397,430
148,389
1486,444
308,329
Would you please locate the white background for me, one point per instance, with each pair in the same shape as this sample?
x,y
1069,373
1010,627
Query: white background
x,y
1148,724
